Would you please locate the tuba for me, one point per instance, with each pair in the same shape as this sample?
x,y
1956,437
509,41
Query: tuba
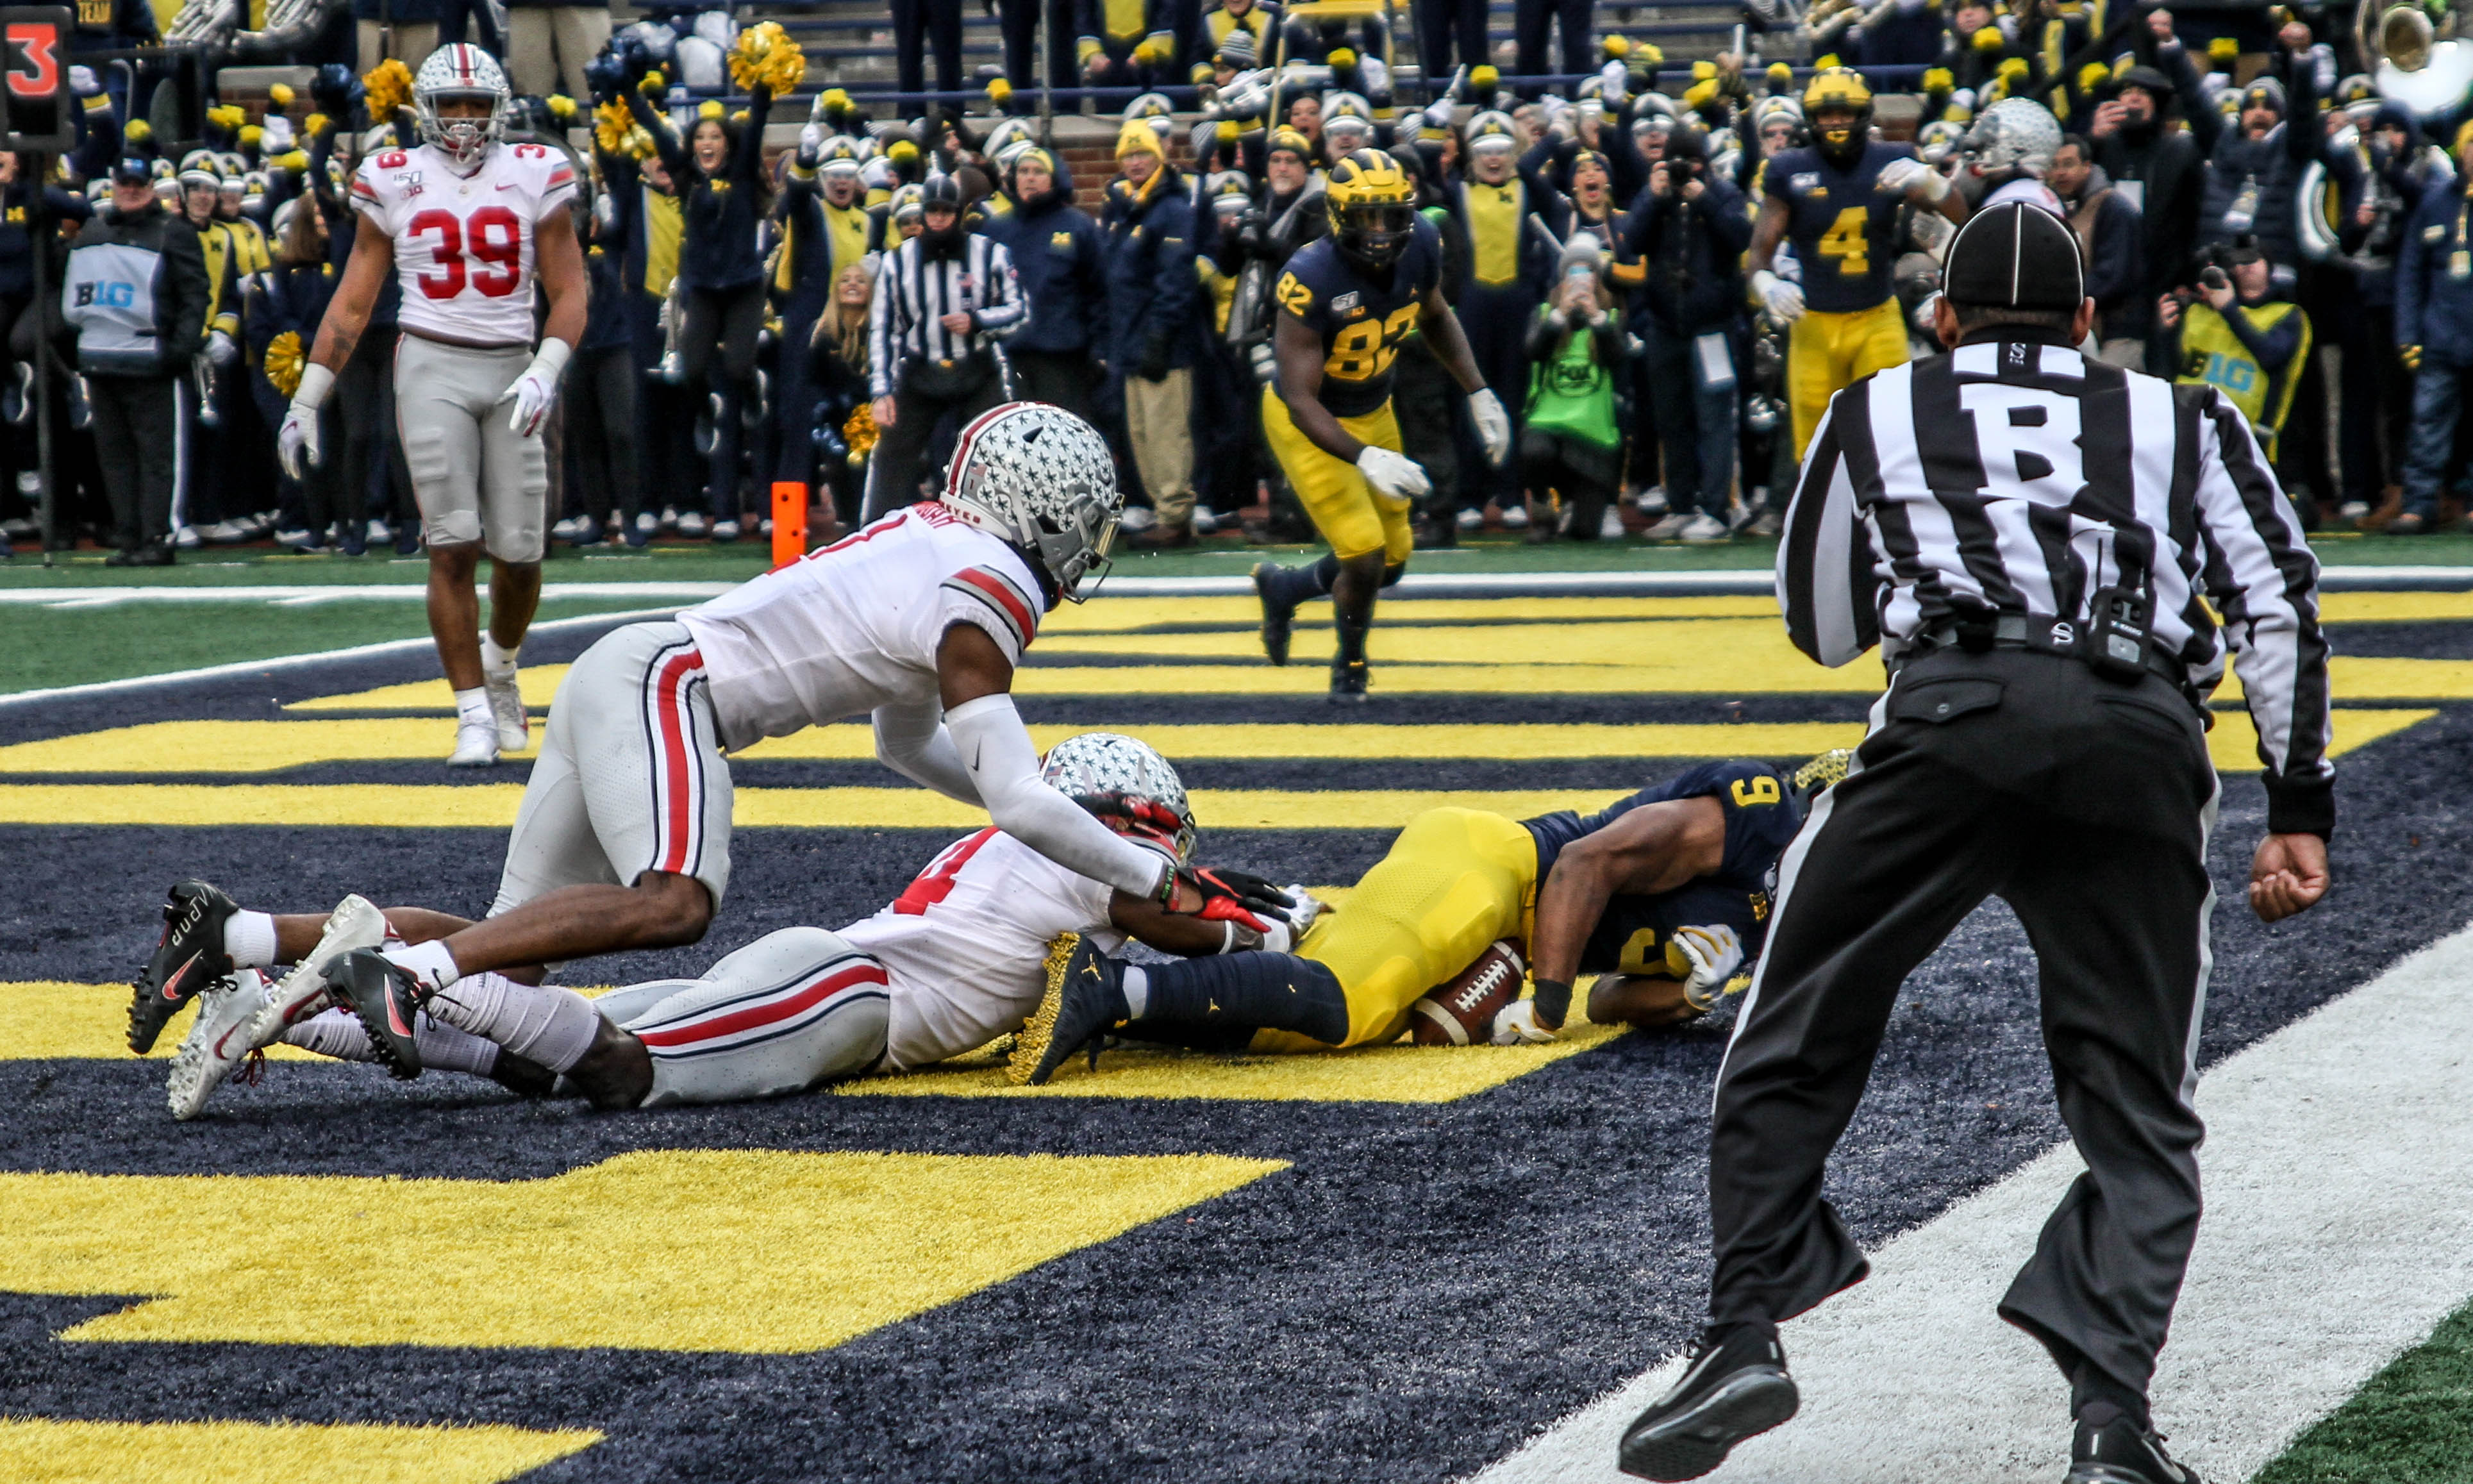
x,y
2419,52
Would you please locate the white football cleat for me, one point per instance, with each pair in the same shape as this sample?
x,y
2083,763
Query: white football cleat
x,y
476,745
507,709
355,923
218,1041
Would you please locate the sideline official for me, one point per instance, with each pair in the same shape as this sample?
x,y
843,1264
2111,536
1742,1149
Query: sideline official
x,y
2045,525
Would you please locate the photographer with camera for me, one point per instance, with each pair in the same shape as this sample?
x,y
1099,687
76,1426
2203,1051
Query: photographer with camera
x,y
2231,330
1680,251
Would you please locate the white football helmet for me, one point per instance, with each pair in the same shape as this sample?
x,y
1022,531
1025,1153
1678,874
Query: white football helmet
x,y
1040,477
1127,784
2015,134
461,70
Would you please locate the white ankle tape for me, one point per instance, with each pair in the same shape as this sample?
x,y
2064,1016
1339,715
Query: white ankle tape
x,y
445,1048
248,936
546,1024
337,1032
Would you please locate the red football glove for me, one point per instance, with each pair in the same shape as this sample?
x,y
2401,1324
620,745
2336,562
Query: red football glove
x,y
1234,895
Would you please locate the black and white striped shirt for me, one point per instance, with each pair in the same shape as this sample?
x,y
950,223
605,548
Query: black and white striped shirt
x,y
1995,476
914,293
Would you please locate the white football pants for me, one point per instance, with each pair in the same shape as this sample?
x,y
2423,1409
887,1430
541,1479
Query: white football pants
x,y
789,1011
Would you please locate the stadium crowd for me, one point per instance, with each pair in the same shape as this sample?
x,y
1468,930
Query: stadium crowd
x,y
1662,312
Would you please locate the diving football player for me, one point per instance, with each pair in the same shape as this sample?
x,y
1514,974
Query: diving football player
x,y
1665,894
958,959
1835,199
1346,302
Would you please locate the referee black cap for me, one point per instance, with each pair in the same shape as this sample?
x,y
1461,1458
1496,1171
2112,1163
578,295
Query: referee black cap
x,y
2015,255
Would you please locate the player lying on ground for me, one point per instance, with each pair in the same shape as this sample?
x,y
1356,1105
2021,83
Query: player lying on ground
x,y
622,841
957,960
1665,893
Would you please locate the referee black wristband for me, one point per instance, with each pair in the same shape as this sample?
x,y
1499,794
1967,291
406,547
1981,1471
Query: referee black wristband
x,y
1553,1000
2300,806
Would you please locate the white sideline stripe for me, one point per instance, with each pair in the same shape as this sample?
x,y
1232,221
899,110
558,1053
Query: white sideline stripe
x,y
2333,1240
1721,580
296,662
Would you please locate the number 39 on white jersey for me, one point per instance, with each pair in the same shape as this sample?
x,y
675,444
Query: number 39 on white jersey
x,y
464,245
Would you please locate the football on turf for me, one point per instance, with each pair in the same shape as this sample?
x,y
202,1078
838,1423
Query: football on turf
x,y
1462,1011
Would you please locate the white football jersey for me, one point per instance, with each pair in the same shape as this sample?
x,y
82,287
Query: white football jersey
x,y
855,625
965,945
464,248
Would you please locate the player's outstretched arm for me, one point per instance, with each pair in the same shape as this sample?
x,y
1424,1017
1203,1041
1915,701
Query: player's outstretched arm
x,y
913,741
976,682
1190,928
1655,847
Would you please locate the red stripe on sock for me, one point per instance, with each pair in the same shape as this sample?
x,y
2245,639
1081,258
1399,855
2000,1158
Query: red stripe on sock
x,y
768,1012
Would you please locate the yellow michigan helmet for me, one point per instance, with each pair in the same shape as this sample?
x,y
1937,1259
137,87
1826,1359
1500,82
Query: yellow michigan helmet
x,y
1842,92
1373,205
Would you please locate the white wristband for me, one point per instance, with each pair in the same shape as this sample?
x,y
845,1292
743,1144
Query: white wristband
x,y
550,360
316,382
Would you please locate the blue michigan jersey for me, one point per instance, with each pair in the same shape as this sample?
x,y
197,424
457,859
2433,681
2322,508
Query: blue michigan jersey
x,y
1361,323
1762,814
1842,224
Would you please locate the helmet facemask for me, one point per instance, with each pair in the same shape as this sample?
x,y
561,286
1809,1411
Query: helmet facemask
x,y
461,139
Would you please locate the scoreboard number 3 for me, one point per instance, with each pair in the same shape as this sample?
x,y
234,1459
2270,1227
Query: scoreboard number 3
x,y
33,59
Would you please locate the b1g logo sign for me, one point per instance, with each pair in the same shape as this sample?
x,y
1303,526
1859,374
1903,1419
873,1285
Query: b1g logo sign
x,y
108,295
37,62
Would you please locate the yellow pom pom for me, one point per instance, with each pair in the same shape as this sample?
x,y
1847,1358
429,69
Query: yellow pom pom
x,y
1483,78
654,84
295,161
1617,47
284,362
280,95
315,124
388,87
1986,39
711,108
137,131
902,152
1648,54
1700,94
562,108
2013,66
858,432
1940,79
250,134
999,90
2223,49
1343,56
835,100
1703,71
2093,75
612,124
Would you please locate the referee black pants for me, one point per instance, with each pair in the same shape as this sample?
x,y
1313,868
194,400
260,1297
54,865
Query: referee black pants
x,y
893,468
2085,805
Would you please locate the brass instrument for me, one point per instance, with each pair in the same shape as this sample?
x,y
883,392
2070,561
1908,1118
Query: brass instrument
x,y
221,24
2420,56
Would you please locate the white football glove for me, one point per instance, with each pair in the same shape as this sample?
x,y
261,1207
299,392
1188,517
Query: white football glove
x,y
1715,952
1493,425
222,349
1393,475
295,444
1899,176
537,388
1784,300
1515,1024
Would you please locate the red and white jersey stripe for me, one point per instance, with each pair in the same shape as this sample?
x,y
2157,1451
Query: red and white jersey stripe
x,y
674,734
856,625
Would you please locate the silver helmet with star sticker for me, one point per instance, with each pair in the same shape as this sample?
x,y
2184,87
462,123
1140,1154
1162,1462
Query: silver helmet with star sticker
x,y
1040,477
1127,784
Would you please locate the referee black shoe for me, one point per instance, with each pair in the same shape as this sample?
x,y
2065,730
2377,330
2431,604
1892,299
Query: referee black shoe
x,y
1279,613
2119,1451
189,957
1734,1386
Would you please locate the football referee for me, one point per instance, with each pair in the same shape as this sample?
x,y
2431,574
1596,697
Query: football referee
x,y
2031,536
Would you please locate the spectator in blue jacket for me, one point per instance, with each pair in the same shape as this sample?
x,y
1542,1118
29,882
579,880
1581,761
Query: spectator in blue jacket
x,y
284,307
1681,248
1152,293
2433,329
1061,258
2109,229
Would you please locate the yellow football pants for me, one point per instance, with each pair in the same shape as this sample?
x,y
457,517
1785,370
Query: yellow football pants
x,y
1454,882
1345,509
1827,354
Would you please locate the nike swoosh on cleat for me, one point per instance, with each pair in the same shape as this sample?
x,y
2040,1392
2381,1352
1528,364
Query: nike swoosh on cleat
x,y
172,985
224,1038
394,1019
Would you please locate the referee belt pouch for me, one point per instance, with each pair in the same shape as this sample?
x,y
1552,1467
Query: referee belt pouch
x,y
946,381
